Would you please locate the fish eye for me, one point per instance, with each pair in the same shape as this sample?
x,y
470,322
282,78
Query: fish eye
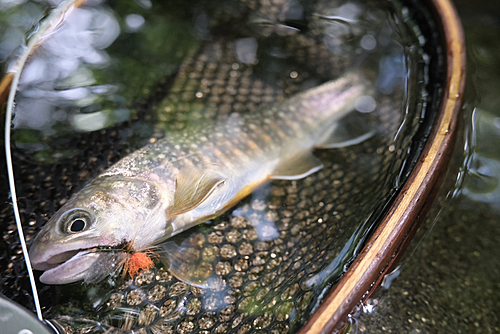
x,y
77,225
76,220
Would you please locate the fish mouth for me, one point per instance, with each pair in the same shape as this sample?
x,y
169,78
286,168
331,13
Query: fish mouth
x,y
56,260
67,267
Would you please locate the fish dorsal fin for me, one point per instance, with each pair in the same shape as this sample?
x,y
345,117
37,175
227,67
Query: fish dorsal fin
x,y
350,130
297,167
193,187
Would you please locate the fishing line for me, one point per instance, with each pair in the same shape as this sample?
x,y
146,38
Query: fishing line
x,y
52,21
10,174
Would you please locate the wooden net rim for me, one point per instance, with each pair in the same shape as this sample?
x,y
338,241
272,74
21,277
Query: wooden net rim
x,y
389,239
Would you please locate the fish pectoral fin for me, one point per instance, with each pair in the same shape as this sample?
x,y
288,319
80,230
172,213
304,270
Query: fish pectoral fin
x,y
193,187
353,129
297,167
183,262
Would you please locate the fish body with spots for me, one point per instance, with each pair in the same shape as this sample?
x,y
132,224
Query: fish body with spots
x,y
190,177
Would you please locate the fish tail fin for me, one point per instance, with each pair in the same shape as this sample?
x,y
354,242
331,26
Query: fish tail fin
x,y
351,130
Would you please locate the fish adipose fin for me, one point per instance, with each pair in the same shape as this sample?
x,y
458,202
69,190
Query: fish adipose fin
x,y
192,188
297,167
350,130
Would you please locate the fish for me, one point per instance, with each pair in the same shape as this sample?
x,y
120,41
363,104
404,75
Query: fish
x,y
192,176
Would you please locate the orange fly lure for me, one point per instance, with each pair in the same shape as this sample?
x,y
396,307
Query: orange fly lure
x,y
137,261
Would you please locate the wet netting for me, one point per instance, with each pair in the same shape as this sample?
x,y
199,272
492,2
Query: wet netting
x,y
278,252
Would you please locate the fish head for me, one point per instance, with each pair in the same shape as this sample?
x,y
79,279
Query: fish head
x,y
108,213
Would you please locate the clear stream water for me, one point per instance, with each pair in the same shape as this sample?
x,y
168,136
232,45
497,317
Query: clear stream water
x,y
449,283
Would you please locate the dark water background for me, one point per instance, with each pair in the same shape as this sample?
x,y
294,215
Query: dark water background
x,y
450,283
